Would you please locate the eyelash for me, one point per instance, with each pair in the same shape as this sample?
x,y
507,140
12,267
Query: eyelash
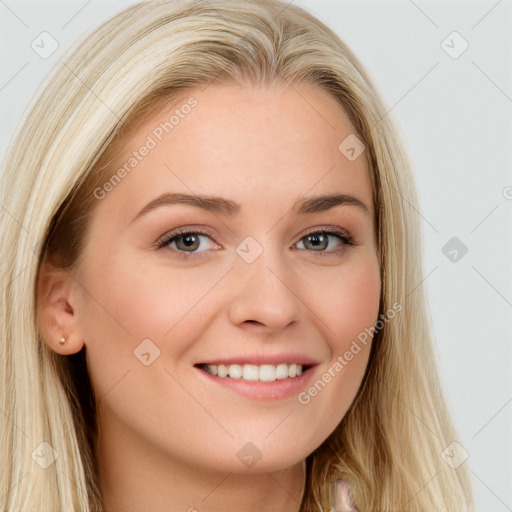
x,y
345,238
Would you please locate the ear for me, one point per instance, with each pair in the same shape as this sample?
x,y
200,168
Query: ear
x,y
56,304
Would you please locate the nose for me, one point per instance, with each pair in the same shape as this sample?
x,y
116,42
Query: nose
x,y
264,296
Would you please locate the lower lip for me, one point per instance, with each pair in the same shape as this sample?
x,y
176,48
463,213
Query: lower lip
x,y
257,390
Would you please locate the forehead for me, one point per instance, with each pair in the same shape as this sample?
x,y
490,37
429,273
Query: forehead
x,y
238,142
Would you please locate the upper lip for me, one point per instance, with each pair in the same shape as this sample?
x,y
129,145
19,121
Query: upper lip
x,y
260,359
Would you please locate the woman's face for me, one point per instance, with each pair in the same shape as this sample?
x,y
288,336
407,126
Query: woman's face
x,y
225,243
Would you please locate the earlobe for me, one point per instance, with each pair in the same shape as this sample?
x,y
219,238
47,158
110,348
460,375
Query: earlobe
x,y
56,313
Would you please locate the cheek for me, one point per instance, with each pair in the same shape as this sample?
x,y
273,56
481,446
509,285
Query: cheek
x,y
125,302
347,300
348,307
144,298
357,307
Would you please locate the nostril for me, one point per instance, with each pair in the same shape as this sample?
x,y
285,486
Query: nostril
x,y
253,322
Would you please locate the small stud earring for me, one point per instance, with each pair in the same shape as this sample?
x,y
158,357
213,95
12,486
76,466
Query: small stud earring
x,y
63,340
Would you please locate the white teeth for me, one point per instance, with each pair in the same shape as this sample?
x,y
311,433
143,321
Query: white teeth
x,y
292,370
235,371
250,372
281,371
253,373
267,373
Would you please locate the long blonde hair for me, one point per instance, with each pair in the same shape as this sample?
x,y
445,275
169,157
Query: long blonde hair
x,y
389,445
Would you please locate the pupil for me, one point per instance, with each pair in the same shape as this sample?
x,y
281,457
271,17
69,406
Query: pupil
x,y
189,241
317,241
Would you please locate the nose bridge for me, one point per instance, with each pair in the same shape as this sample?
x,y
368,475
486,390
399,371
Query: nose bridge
x,y
264,289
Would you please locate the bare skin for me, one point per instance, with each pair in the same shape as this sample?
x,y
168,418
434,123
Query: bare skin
x,y
172,437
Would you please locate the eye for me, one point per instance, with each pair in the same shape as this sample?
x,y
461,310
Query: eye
x,y
323,241
187,241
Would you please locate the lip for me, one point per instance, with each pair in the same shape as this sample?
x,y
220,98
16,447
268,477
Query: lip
x,y
257,390
259,359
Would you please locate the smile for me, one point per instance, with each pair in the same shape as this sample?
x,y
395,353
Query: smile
x,y
255,373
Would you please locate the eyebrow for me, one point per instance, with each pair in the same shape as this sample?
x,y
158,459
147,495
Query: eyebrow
x,y
215,204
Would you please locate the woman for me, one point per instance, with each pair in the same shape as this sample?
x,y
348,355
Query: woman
x,y
210,208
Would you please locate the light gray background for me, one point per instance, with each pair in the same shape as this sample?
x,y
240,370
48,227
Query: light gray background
x,y
455,117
